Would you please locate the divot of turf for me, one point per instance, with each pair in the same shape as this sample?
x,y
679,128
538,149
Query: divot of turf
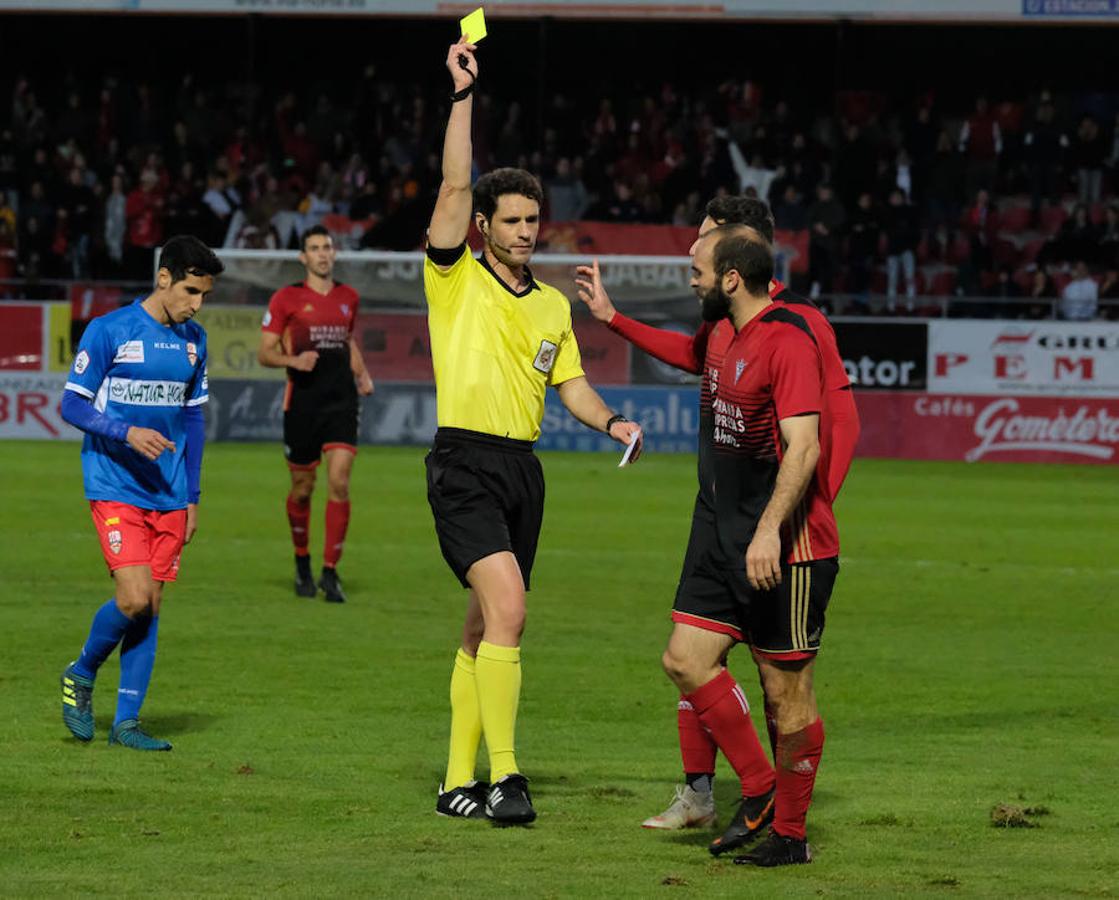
x,y
1010,815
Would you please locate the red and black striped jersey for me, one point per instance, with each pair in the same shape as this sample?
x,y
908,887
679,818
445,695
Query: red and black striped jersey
x,y
770,370
324,323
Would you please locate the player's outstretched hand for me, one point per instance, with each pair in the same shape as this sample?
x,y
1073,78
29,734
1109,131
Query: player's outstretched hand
x,y
623,433
365,384
148,442
462,64
305,361
191,522
763,560
588,280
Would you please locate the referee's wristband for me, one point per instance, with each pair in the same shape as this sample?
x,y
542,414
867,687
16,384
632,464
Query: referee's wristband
x,y
613,420
463,94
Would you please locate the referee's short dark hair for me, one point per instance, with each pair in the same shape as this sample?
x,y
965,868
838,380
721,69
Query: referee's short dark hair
x,y
752,261
500,182
743,210
312,232
185,255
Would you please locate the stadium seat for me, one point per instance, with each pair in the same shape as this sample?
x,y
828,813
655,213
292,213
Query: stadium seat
x,y
1004,251
1014,219
1052,218
1031,248
939,280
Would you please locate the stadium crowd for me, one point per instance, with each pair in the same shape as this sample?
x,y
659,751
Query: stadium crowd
x,y
1013,199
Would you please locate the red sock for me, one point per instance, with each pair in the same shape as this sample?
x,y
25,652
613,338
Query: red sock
x,y
299,517
798,758
697,749
724,712
771,727
337,521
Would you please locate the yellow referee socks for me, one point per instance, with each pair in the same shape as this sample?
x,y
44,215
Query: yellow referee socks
x,y
497,673
466,723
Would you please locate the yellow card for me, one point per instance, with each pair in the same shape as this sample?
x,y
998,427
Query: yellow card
x,y
474,25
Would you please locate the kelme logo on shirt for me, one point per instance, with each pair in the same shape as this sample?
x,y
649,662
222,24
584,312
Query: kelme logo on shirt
x,y
147,393
81,362
130,352
192,353
545,357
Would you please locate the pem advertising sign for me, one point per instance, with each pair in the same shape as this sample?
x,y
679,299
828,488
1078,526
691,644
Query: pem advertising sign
x,y
1054,359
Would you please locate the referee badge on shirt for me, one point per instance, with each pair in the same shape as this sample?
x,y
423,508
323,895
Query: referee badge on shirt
x,y
115,541
192,353
545,357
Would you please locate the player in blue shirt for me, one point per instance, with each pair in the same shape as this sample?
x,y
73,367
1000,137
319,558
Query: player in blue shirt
x,y
136,389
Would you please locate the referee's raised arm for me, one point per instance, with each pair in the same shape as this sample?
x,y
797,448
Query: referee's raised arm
x,y
450,220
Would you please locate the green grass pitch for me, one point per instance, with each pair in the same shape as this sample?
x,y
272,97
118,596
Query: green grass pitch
x,y
970,660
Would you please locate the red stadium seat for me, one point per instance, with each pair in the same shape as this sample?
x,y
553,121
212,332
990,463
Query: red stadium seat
x,y
1005,251
1031,248
1052,218
939,281
1014,219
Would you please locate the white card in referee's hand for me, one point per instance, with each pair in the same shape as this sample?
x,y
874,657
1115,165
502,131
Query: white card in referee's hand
x,y
630,448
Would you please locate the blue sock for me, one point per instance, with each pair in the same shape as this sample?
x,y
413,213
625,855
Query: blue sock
x,y
137,659
109,626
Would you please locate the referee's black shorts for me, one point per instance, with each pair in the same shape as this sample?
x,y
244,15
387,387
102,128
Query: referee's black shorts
x,y
487,495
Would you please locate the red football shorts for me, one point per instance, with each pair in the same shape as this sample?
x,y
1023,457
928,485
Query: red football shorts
x,y
131,536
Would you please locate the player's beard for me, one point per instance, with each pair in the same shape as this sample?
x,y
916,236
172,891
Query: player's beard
x,y
714,304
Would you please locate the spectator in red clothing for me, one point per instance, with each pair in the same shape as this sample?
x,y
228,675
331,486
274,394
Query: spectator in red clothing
x,y
981,217
981,143
143,212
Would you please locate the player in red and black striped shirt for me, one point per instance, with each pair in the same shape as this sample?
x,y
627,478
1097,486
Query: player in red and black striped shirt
x,y
767,577
704,353
707,352
309,330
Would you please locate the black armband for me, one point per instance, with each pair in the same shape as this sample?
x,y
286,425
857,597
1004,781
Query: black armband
x,y
463,94
446,257
614,420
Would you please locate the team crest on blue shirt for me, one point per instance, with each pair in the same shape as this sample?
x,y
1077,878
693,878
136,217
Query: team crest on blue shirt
x,y
192,353
545,357
739,368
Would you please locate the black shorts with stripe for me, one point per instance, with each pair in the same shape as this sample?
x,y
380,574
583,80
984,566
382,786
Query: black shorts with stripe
x,y
314,423
487,496
786,622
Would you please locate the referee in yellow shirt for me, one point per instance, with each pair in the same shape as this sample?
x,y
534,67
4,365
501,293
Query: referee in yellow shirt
x,y
499,338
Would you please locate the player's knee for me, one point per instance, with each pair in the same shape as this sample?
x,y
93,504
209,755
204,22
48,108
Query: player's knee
x,y
678,668
776,686
339,491
133,603
507,622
